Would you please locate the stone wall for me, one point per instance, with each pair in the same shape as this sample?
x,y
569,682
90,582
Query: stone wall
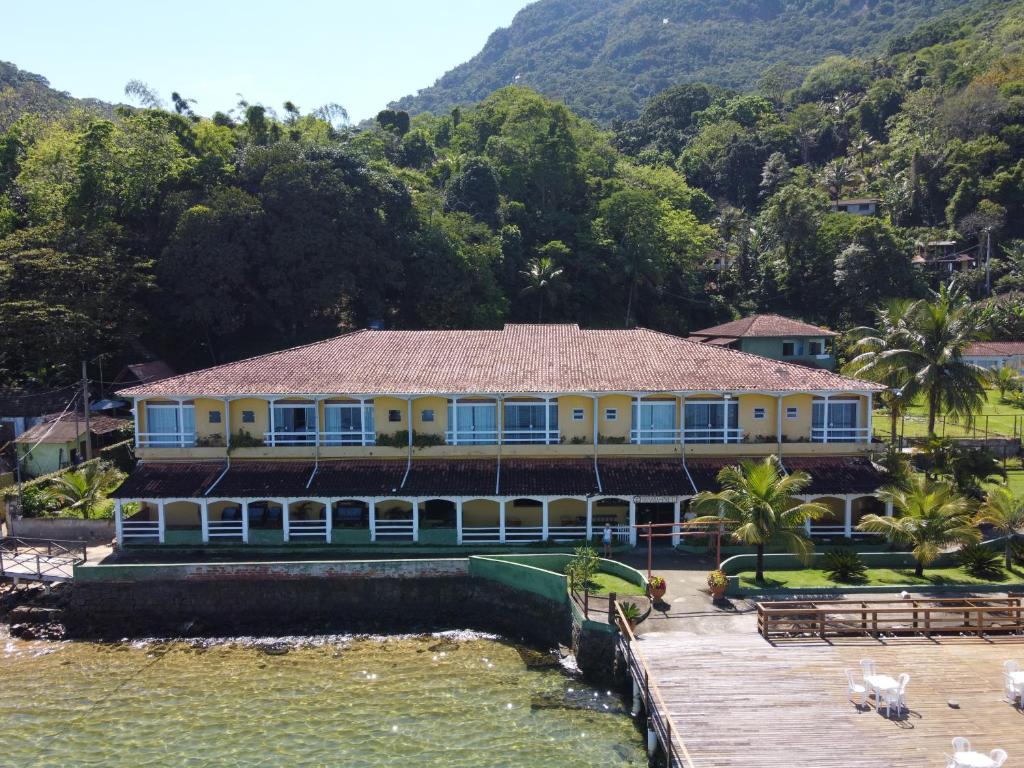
x,y
64,529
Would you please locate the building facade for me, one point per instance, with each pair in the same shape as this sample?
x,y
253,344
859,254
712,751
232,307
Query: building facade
x,y
996,354
774,336
531,433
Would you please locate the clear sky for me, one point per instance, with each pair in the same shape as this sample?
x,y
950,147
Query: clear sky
x,y
357,53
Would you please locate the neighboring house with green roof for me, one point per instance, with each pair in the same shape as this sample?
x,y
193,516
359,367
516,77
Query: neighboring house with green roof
x,y
775,337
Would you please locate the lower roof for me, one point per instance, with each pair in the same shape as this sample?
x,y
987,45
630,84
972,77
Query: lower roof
x,y
351,478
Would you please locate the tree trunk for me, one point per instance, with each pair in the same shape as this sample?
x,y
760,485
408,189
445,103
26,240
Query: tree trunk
x,y
759,576
893,419
918,568
1008,552
933,408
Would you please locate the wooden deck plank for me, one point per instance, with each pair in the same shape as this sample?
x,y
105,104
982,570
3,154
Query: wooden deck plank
x,y
736,700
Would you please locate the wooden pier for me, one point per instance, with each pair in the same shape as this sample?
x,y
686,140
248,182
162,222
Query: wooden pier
x,y
735,700
45,560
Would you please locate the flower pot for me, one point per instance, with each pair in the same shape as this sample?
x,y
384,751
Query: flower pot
x,y
717,593
658,592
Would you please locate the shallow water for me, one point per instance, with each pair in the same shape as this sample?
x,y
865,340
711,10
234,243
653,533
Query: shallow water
x,y
444,700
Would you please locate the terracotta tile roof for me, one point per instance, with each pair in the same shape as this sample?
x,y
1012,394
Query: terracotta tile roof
x,y
763,326
829,474
142,373
542,477
263,479
518,359
468,477
644,477
56,428
995,349
169,480
357,478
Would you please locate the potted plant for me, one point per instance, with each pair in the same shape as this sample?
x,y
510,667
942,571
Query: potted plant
x,y
631,614
657,587
717,582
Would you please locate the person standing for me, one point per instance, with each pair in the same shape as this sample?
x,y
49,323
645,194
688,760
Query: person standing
x,y
606,539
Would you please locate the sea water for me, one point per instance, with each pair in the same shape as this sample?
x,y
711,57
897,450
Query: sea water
x,y
451,699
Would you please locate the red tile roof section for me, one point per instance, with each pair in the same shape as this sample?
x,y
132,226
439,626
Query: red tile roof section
x,y
995,349
518,359
763,326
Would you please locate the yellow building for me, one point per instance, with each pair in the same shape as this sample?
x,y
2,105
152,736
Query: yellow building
x,y
530,433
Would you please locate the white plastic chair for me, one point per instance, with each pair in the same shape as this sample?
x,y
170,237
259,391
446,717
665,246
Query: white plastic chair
x,y
1013,691
867,666
950,761
899,696
856,689
961,744
998,756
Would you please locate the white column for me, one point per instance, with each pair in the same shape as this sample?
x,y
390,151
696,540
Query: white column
x,y
632,522
458,521
317,404
597,406
637,421
204,519
682,419
136,404
408,410
453,422
415,519
285,515
778,418
725,419
328,518
245,522
270,422
676,518
888,509
544,519
848,517
501,521
227,421
590,518
161,521
547,426
181,422
870,416
807,527
825,420
373,519
118,523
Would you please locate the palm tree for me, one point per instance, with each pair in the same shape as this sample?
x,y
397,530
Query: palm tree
x,y
84,488
931,517
869,345
836,175
1004,378
759,499
542,278
1004,511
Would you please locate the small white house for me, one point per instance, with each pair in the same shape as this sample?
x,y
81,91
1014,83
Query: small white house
x,y
861,206
996,354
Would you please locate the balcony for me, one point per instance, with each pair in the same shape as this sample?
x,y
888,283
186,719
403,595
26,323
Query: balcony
x,y
166,439
840,435
471,436
288,439
531,436
309,438
688,435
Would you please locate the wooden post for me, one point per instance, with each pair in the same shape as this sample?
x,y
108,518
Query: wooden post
x,y
611,607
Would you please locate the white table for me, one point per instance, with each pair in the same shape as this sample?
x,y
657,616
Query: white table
x,y
973,760
879,683
1017,678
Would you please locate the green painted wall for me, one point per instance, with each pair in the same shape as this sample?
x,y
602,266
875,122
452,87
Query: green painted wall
x,y
772,347
528,578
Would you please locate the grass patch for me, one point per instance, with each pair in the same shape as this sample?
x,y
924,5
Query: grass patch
x,y
605,583
879,577
999,418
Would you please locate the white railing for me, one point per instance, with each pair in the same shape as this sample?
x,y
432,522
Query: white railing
x,y
712,435
838,530
282,439
839,434
394,529
537,436
140,529
619,532
654,436
521,534
166,439
225,529
307,529
481,535
564,532
349,437
471,436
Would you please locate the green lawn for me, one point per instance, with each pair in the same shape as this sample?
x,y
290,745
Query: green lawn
x,y
604,583
996,418
879,577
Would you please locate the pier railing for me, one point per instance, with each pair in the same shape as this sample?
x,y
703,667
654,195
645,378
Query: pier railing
x,y
39,559
657,710
927,616
593,606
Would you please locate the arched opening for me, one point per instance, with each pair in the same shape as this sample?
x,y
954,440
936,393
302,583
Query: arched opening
x,y
567,520
394,521
307,520
481,521
266,514
865,505
224,520
832,524
438,522
524,521
613,512
182,522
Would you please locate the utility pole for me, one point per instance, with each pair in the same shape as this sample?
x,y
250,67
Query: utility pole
x,y
85,408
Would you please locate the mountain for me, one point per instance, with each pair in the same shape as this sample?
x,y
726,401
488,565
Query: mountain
x,y
605,58
22,92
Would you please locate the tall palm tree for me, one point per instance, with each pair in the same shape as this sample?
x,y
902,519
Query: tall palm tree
x,y
1004,378
931,516
936,334
1004,511
869,344
759,499
544,279
84,488
836,175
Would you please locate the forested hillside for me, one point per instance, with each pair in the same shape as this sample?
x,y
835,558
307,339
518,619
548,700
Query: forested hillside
x,y
22,92
605,58
206,239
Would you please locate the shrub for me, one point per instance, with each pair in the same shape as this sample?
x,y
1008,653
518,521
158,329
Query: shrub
x,y
244,439
630,611
581,569
717,579
845,566
400,439
980,562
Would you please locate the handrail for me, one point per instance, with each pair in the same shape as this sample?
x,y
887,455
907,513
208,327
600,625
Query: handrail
x,y
657,710
69,547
